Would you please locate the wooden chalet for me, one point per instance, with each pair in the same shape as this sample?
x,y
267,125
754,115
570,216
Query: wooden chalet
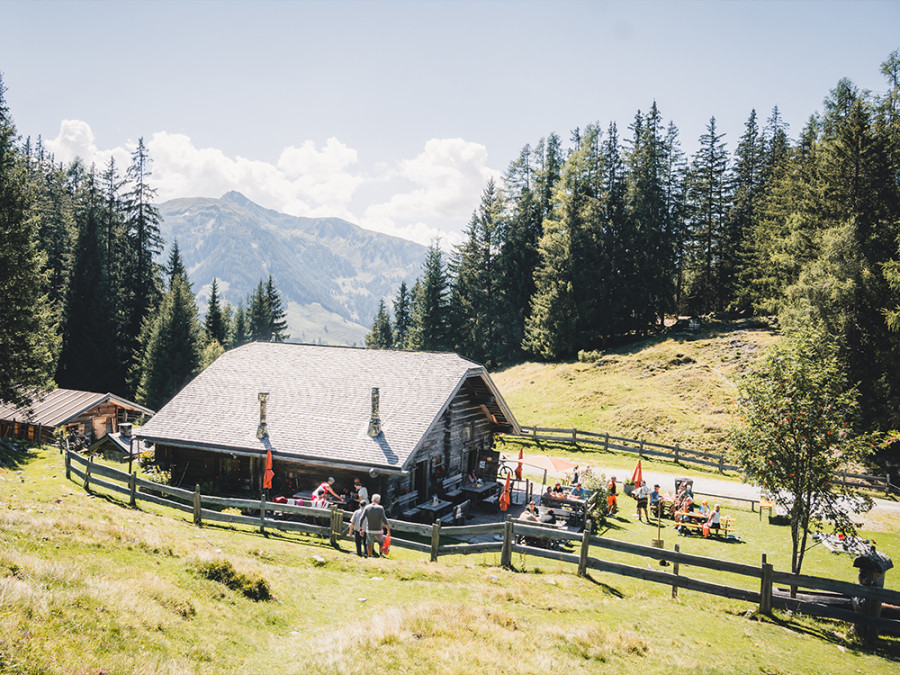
x,y
84,413
400,421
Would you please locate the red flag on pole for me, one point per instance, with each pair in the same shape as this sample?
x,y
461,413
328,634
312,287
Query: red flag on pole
x,y
269,474
519,468
504,498
638,475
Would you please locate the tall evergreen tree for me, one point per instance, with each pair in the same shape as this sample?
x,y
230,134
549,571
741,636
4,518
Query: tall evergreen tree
x,y
171,355
214,323
27,336
382,334
240,335
277,321
430,307
258,315
175,265
402,318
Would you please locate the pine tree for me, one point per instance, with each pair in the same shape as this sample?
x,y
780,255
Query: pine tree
x,y
175,265
240,335
171,355
214,324
258,315
402,318
277,322
27,334
382,335
709,199
430,308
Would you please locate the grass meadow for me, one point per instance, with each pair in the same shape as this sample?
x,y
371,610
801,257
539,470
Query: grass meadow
x,y
89,585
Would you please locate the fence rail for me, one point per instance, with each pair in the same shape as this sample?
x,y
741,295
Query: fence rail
x,y
511,537
682,455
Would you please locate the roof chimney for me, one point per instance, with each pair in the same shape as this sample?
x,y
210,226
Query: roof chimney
x,y
125,429
262,431
375,421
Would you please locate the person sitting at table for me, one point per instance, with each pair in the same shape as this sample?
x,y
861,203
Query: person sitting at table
x,y
704,508
549,518
578,492
558,490
532,513
715,519
470,478
687,504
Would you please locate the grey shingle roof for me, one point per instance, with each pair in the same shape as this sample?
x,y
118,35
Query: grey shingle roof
x,y
319,402
58,406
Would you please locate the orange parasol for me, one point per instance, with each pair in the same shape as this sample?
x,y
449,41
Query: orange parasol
x,y
269,474
519,467
504,498
638,475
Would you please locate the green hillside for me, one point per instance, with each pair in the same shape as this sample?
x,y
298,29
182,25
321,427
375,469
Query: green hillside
x,y
677,388
88,585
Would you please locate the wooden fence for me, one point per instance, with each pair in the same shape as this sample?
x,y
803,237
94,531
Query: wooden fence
x,y
682,455
506,538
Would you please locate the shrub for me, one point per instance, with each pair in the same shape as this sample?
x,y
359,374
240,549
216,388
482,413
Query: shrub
x,y
222,571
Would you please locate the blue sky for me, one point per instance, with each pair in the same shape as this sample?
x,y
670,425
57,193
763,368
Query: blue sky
x,y
394,114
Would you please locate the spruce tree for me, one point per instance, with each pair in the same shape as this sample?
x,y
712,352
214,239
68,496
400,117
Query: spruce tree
x,y
214,323
382,335
430,310
175,265
240,335
277,321
402,318
171,355
28,341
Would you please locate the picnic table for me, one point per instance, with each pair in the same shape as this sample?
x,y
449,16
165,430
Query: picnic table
x,y
434,509
480,491
694,521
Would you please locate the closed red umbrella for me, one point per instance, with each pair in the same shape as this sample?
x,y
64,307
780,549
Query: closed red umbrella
x,y
504,498
638,475
269,474
519,468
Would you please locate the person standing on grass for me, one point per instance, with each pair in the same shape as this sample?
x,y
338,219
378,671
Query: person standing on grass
x,y
642,494
612,503
358,528
376,524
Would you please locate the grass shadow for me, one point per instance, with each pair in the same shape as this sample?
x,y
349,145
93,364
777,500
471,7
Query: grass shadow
x,y
606,588
15,454
830,631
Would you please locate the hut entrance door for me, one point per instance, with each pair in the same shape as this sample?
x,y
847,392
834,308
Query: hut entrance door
x,y
423,471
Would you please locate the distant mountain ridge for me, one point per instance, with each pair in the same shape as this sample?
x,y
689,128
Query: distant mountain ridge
x,y
331,273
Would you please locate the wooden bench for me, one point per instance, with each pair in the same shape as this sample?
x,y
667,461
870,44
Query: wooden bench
x,y
726,527
405,505
452,486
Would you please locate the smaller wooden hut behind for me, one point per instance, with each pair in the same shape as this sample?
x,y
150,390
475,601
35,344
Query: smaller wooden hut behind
x,y
84,413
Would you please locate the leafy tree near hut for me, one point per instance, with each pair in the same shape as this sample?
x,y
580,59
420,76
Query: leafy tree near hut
x,y
796,436
28,340
382,334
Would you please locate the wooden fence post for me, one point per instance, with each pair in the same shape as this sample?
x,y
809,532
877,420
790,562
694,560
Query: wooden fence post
x,y
262,516
675,572
68,463
506,551
337,524
887,485
765,587
574,436
435,540
198,520
87,472
585,543
641,449
132,489
606,443
677,451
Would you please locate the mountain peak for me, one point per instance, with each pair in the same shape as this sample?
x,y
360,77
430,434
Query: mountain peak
x,y
236,197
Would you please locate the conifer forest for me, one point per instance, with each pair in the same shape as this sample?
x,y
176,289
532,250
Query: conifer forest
x,y
583,244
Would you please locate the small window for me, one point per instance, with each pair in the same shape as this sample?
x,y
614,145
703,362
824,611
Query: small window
x,y
468,431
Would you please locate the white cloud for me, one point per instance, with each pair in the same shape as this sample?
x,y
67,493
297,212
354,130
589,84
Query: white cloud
x,y
427,197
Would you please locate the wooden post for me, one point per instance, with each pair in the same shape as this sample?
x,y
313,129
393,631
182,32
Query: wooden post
x,y
68,463
765,587
435,539
677,450
585,543
534,433
506,552
675,572
574,436
337,524
198,519
721,463
606,443
641,450
887,485
87,472
132,487
262,517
